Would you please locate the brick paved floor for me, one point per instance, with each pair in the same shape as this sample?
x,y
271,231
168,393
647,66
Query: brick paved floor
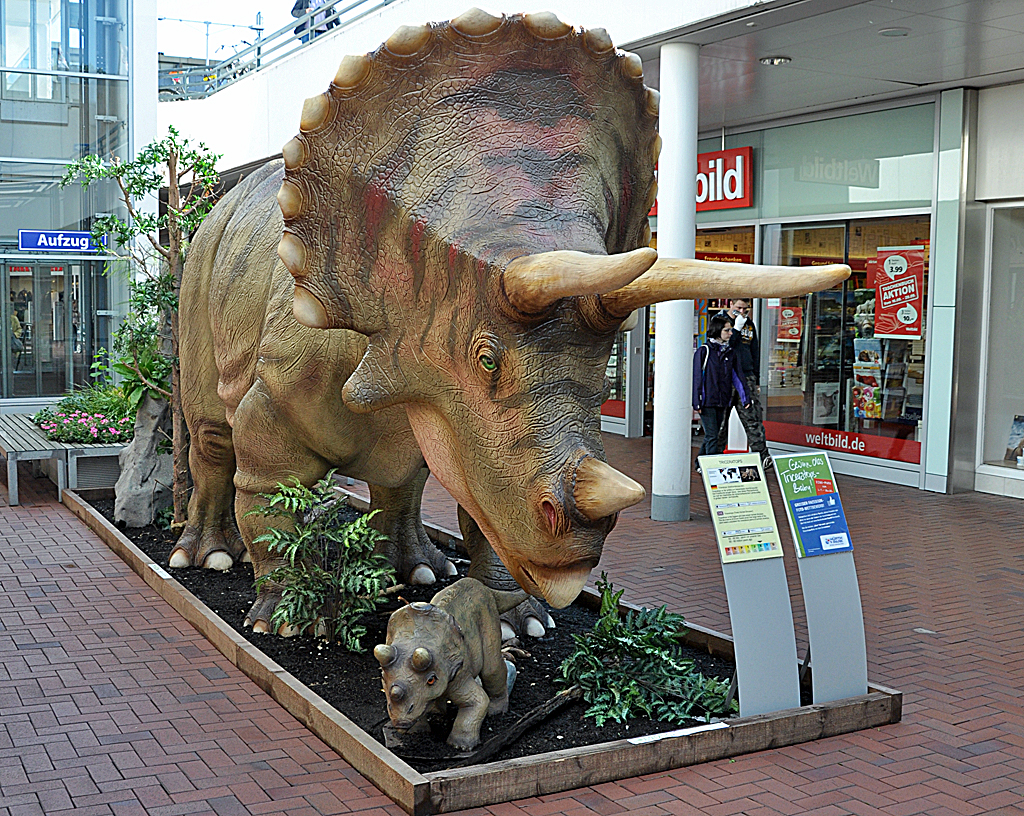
x,y
110,703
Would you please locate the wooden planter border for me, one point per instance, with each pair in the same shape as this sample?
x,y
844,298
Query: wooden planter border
x,y
479,785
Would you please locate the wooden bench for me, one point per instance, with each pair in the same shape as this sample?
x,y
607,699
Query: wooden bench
x,y
21,440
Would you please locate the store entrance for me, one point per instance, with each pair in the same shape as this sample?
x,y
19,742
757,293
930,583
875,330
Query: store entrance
x,y
48,347
849,360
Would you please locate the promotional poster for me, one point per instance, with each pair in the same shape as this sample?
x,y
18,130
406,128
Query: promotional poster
x,y
813,508
899,292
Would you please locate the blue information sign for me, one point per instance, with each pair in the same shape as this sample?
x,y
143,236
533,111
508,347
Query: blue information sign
x,y
822,524
66,241
812,503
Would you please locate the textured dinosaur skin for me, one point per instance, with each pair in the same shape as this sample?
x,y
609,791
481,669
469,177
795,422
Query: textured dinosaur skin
x,y
435,652
407,301
510,144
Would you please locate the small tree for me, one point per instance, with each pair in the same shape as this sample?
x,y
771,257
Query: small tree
x,y
155,267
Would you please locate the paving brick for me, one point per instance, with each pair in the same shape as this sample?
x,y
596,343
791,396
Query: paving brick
x,y
108,689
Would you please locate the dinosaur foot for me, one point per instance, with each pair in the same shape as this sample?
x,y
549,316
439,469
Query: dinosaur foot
x,y
208,546
529,618
260,613
423,574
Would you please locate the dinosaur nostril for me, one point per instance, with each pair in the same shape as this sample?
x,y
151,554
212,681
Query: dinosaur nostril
x,y
551,515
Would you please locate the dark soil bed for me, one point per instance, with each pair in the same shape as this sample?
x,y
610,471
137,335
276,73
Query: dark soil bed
x,y
351,682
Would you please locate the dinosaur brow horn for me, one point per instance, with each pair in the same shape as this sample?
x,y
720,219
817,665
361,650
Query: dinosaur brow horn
x,y
534,282
686,279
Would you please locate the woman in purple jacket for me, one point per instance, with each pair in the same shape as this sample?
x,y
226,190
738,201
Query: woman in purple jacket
x,y
716,370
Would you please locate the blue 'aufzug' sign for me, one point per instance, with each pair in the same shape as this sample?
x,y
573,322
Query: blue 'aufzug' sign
x,y
56,241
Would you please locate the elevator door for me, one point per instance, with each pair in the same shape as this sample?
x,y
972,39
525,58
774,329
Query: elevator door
x,y
38,343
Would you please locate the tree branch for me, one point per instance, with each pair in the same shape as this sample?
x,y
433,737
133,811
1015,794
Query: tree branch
x,y
127,199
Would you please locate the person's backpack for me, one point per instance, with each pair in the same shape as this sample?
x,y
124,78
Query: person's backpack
x,y
300,8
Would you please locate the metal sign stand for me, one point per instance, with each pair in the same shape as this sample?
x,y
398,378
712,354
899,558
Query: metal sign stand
x,y
763,635
755,583
828,577
835,627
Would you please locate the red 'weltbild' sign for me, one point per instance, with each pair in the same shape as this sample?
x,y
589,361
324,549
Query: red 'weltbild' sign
x,y
724,180
880,447
899,285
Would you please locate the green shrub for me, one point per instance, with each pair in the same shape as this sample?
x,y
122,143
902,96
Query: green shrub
x,y
331,574
634,665
138,359
99,413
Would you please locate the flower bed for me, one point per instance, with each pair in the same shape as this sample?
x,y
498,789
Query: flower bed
x,y
80,426
100,414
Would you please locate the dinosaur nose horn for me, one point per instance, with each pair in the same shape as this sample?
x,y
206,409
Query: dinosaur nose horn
x,y
601,490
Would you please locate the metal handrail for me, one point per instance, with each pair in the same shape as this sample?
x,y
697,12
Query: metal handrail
x,y
198,82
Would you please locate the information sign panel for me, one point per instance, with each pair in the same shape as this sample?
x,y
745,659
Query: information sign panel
x,y
835,620
741,508
755,583
813,507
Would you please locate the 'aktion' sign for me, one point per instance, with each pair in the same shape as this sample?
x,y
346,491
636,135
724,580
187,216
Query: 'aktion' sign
x,y
899,292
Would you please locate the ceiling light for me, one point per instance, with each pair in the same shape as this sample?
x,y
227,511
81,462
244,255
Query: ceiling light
x,y
775,60
893,32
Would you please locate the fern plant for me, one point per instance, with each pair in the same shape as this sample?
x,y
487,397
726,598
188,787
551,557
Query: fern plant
x,y
635,665
330,575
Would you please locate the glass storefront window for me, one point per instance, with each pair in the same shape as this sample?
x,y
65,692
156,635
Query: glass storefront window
x,y
870,161
726,244
90,36
91,119
1004,387
839,375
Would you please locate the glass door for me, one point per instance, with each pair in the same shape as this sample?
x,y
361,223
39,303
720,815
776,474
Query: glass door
x,y
805,360
39,342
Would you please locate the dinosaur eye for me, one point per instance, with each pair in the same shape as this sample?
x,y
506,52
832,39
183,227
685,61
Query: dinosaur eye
x,y
432,679
488,362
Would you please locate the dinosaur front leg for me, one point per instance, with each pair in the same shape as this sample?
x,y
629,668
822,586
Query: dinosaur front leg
x,y
413,555
529,617
267,454
472,702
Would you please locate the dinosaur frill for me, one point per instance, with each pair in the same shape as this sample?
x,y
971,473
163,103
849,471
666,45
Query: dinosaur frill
x,y
454,148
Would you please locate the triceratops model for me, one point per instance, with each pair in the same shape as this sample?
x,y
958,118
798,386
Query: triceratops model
x,y
436,651
435,275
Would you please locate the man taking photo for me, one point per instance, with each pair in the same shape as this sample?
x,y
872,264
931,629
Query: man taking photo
x,y
745,342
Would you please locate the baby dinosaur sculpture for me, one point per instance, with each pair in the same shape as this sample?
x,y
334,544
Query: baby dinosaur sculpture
x,y
436,651
434,275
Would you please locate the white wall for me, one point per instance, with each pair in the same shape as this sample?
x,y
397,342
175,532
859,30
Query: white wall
x,y
1000,159
142,76
253,118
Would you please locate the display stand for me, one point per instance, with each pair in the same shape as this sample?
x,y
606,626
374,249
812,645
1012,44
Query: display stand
x,y
828,577
755,583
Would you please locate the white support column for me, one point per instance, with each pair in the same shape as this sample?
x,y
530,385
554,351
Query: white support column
x,y
677,231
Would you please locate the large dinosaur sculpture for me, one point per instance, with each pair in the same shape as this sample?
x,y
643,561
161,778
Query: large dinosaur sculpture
x,y
435,275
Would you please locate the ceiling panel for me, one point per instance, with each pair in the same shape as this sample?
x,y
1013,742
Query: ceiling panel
x,y
838,56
